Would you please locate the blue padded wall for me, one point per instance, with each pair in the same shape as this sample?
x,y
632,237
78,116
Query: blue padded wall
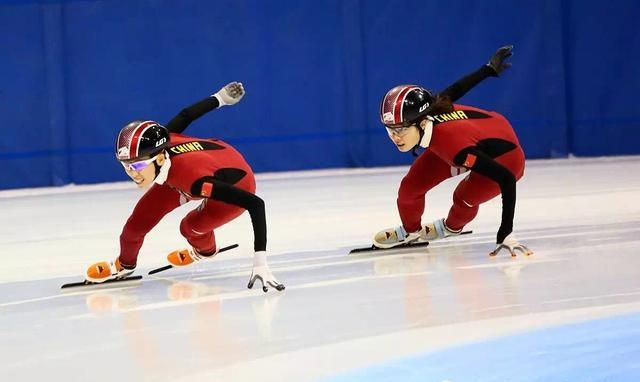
x,y
74,72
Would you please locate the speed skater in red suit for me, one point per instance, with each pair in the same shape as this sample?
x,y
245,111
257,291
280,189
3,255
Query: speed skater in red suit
x,y
456,139
177,169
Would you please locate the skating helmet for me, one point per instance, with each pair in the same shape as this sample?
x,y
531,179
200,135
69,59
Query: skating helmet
x,y
405,104
141,139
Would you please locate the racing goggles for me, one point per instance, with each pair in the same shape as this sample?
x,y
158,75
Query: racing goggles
x,y
399,130
138,165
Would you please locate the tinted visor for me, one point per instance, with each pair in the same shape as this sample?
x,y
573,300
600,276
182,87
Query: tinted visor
x,y
138,165
399,130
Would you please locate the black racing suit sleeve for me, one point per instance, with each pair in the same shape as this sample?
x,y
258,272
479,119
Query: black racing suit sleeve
x,y
189,114
230,194
487,166
466,83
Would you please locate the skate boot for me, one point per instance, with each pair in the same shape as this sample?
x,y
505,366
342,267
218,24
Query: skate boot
x,y
437,230
392,237
185,257
107,270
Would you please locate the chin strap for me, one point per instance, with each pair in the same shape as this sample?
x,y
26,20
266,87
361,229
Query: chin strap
x,y
425,135
162,172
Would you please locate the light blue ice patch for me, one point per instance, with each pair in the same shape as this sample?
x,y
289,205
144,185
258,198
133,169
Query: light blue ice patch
x,y
600,350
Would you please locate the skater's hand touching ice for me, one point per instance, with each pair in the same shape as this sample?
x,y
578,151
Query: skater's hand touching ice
x,y
262,273
512,245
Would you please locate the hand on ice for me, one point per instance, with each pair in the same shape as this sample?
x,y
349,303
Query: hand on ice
x,y
511,244
262,273
230,94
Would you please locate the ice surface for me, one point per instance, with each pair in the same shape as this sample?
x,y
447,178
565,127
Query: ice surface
x,y
341,315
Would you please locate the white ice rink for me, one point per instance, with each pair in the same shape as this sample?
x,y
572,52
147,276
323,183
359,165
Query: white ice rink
x,y
446,313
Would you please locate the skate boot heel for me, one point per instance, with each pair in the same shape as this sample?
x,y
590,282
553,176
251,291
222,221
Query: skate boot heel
x,y
105,271
393,237
185,257
437,230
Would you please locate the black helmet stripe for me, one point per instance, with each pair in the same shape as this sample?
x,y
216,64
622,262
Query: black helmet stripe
x,y
400,103
135,137
131,137
405,104
393,104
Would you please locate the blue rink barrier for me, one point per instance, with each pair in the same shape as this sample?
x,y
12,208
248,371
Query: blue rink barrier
x,y
602,350
74,72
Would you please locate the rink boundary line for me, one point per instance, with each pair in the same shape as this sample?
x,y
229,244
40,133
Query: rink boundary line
x,y
61,295
528,260
494,308
299,267
586,298
356,279
479,238
361,353
280,265
302,174
476,238
250,293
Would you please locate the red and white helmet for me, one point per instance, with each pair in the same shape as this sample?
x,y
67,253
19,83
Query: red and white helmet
x,y
141,139
405,104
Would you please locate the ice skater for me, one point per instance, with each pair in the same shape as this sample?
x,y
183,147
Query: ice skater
x,y
456,139
177,168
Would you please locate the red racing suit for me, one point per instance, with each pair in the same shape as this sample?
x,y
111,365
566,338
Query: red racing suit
x,y
191,160
466,139
197,169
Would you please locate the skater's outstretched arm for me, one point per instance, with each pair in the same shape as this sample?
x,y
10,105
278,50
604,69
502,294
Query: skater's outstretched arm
x,y
496,65
212,188
230,94
478,161
215,189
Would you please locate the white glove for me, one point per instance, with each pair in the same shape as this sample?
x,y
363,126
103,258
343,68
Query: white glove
x,y
511,244
262,272
230,94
